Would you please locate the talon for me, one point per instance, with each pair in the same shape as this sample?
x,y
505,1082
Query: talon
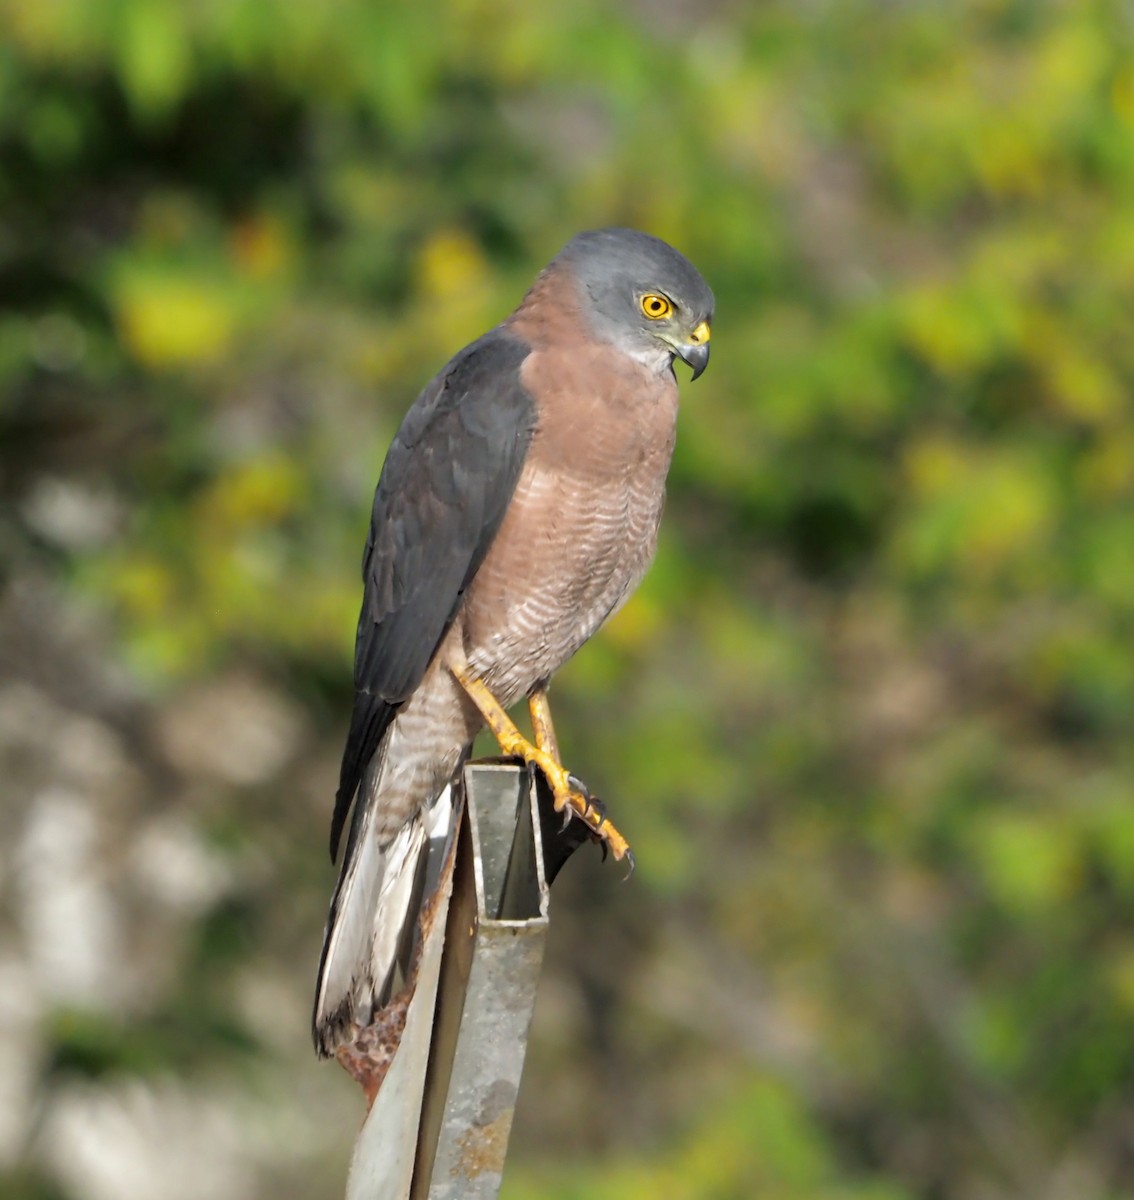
x,y
572,797
577,785
596,813
605,850
631,863
567,815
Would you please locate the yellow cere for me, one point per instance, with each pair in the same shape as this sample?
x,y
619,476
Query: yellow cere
x,y
701,334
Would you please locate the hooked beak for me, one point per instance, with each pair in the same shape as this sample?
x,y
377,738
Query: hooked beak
x,y
695,352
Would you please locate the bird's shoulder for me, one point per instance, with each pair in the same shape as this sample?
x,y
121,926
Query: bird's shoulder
x,y
480,385
450,469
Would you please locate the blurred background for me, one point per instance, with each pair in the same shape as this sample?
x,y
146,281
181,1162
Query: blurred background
x,y
867,724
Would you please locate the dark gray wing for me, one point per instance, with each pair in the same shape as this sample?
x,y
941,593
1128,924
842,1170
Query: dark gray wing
x,y
448,479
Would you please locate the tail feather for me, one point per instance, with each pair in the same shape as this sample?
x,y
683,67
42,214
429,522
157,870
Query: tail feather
x,y
373,918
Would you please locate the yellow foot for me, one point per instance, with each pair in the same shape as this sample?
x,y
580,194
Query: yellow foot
x,y
542,725
571,797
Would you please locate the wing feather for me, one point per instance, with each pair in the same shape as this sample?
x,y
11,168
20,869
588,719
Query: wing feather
x,y
445,486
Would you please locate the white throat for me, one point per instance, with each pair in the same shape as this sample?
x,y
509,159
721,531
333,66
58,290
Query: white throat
x,y
657,358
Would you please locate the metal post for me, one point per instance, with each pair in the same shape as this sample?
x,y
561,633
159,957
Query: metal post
x,y
439,1125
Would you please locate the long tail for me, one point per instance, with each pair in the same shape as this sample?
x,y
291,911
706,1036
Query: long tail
x,y
373,915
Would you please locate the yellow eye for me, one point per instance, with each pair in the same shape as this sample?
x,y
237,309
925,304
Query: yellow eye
x,y
655,307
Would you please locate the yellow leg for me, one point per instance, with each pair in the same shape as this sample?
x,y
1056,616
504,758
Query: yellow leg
x,y
542,726
513,742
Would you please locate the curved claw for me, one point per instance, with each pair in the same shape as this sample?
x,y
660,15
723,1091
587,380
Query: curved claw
x,y
593,814
579,786
631,863
596,813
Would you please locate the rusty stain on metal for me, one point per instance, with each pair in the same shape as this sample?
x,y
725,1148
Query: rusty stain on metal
x,y
372,1050
483,1148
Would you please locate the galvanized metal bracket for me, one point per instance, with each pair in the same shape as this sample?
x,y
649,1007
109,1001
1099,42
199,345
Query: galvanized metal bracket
x,y
439,1125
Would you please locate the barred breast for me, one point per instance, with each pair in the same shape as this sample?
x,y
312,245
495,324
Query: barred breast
x,y
583,523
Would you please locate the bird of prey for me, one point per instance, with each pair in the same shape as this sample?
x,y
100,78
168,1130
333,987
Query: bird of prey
x,y
517,509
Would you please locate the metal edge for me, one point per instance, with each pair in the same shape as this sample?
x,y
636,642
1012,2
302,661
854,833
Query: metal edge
x,y
483,1022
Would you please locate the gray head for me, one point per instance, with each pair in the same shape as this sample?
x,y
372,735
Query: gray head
x,y
642,295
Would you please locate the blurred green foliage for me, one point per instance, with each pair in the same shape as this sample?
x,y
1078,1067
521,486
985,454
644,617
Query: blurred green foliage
x,y
868,722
